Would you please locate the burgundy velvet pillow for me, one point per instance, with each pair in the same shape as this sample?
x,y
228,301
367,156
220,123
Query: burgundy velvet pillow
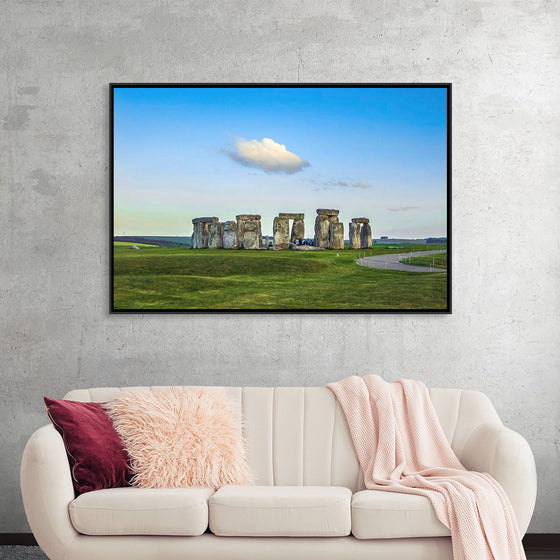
x,y
97,456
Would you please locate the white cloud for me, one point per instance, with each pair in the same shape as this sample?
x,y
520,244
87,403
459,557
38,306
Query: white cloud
x,y
339,183
267,155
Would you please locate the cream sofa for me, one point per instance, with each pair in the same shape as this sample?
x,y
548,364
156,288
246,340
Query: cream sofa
x,y
308,500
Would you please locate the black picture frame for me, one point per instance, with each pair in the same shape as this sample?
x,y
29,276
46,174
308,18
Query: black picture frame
x,y
137,287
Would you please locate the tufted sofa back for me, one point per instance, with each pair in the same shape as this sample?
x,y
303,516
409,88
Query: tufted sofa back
x,y
298,435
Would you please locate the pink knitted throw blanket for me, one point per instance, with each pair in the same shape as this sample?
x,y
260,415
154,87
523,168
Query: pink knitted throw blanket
x,y
401,447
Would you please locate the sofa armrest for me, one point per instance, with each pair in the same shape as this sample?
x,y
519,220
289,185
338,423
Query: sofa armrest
x,y
504,454
46,488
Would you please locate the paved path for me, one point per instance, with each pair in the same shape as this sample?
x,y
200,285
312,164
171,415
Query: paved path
x,y
391,262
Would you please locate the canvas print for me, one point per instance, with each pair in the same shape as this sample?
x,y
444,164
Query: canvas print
x,y
275,197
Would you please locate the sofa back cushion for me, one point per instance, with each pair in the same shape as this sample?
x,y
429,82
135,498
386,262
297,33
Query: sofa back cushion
x,y
299,435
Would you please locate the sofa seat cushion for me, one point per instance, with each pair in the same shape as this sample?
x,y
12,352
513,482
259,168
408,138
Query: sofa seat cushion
x,y
142,511
280,511
391,515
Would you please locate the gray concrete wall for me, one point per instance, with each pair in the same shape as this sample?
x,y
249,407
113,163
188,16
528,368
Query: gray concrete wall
x,y
56,333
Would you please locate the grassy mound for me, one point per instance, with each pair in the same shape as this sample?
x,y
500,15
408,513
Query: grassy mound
x,y
185,279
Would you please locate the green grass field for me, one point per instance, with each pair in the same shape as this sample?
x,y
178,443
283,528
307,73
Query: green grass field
x,y
439,261
168,278
128,244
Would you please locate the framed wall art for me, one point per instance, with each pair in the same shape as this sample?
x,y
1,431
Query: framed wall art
x,y
281,197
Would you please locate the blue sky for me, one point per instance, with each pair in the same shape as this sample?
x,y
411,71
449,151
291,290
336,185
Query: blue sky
x,y
181,153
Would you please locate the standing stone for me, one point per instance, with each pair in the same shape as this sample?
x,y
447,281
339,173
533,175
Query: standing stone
x,y
325,217
240,232
204,235
215,233
229,236
199,238
250,238
354,235
365,236
259,233
249,231
298,230
196,237
281,231
322,231
240,229
336,238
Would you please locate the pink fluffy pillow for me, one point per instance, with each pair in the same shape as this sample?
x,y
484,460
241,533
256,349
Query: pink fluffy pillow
x,y
178,438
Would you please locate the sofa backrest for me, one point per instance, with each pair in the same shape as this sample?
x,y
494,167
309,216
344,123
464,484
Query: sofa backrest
x,y
299,435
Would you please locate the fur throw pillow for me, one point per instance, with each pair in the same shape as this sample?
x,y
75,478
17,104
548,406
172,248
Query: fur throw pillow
x,y
180,437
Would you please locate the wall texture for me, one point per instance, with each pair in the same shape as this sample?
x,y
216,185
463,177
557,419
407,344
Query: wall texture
x,y
55,330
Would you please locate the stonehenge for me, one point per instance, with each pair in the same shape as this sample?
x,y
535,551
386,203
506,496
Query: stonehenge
x,y
281,229
360,233
329,232
245,232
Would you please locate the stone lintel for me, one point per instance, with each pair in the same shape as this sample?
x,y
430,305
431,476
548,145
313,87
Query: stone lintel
x,y
248,217
206,219
289,216
360,220
327,212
